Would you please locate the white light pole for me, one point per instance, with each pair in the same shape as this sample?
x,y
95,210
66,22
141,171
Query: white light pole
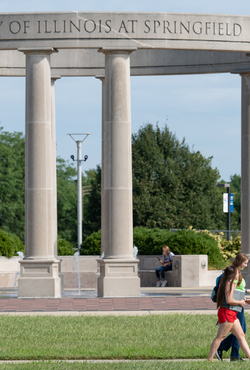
x,y
79,185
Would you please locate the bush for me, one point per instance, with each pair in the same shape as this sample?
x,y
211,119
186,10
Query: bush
x,y
10,244
193,242
92,244
151,241
64,248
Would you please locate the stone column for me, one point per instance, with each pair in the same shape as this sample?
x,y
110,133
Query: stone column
x,y
103,218
39,269
118,269
53,166
245,170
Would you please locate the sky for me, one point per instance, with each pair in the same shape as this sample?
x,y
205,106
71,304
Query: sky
x,y
203,109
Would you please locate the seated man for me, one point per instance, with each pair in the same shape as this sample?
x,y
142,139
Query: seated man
x,y
166,265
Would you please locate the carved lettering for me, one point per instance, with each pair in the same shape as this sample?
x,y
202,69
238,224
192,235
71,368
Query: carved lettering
x,y
107,23
186,28
197,29
123,26
221,30
166,25
227,30
64,26
207,27
73,24
46,27
55,28
156,25
133,22
25,26
148,28
237,29
15,27
89,26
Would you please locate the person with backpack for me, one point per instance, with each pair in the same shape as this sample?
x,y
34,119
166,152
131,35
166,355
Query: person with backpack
x,y
240,261
227,313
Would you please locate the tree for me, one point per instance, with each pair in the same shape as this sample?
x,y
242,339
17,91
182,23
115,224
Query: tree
x,y
173,187
66,200
12,182
236,189
92,205
235,217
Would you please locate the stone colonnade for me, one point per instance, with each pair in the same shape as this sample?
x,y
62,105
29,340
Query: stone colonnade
x,y
39,275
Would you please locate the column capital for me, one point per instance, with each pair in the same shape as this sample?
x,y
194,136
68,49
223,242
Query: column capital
x,y
37,51
241,72
54,78
114,50
100,77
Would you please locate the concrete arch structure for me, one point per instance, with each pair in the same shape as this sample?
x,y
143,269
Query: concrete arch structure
x,y
111,46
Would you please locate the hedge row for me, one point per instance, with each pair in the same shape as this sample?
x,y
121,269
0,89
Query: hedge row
x,y
148,242
151,241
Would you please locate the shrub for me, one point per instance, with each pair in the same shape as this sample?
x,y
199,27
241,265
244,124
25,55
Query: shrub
x,y
193,242
151,241
229,248
10,244
92,244
64,248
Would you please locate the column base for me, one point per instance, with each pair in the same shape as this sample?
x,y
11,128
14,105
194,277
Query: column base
x,y
118,278
39,279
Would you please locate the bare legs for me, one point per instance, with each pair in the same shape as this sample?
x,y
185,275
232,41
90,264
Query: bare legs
x,y
223,330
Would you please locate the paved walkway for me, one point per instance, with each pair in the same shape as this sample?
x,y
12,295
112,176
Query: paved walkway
x,y
152,300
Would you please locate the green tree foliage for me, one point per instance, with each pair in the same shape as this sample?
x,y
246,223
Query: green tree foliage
x,y
92,204
92,244
236,189
190,242
235,217
173,187
151,241
64,248
12,167
66,200
10,244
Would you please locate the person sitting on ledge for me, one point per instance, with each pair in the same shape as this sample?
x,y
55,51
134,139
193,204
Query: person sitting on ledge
x,y
166,266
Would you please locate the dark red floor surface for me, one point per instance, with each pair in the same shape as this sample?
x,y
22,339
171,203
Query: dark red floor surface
x,y
106,304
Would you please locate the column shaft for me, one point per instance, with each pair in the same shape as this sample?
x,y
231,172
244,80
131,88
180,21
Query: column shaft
x,y
117,157
118,268
39,269
53,166
245,165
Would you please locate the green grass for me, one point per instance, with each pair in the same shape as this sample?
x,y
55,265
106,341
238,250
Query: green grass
x,y
143,365
169,336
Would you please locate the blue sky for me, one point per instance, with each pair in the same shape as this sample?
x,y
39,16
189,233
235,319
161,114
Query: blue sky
x,y
205,109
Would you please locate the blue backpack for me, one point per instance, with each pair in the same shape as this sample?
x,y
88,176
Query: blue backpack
x,y
215,289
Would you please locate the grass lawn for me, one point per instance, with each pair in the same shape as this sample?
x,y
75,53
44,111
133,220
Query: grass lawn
x,y
172,336
143,365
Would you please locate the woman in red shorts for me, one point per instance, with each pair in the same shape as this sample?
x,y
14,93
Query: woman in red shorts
x,y
227,317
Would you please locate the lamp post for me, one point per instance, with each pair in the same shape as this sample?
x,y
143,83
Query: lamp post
x,y
79,184
227,185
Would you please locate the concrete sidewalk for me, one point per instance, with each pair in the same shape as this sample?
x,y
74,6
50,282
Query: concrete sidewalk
x,y
151,301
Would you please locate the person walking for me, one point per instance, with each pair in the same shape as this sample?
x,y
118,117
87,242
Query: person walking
x,y
166,262
241,262
226,315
